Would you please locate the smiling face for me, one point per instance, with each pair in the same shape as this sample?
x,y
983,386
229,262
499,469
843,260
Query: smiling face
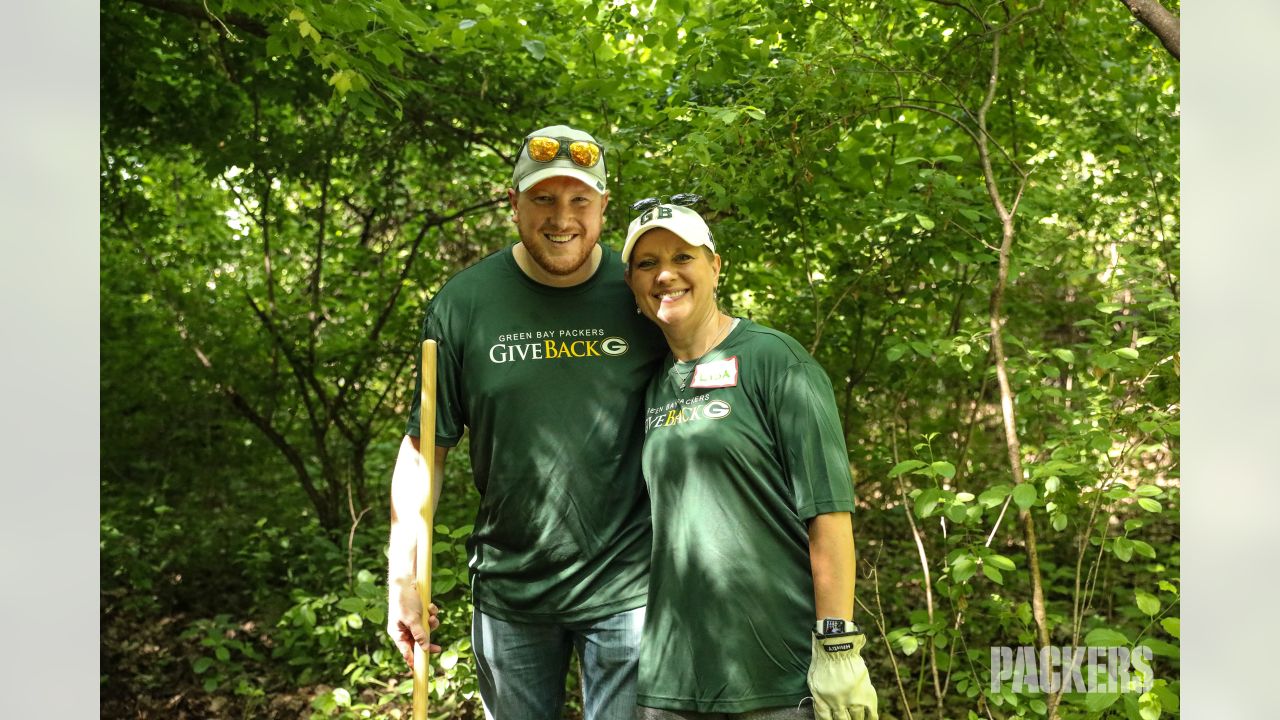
x,y
559,221
674,282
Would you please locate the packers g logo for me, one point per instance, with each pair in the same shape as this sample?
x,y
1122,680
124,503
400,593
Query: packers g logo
x,y
716,409
613,346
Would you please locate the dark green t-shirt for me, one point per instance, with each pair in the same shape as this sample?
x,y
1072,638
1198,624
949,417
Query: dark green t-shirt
x,y
550,383
741,449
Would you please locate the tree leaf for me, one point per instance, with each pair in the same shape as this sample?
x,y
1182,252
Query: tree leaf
x,y
1106,637
1149,604
341,81
1149,707
905,466
944,468
908,644
927,501
1149,505
992,574
342,697
1024,495
1123,548
1000,562
1099,701
994,495
1160,647
536,48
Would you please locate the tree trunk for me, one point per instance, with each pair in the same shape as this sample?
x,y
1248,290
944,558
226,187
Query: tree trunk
x,y
1162,23
1014,445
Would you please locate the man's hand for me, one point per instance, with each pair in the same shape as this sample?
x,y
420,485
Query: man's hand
x,y
404,620
838,678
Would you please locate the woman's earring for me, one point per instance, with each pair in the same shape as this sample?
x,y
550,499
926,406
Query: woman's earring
x,y
637,309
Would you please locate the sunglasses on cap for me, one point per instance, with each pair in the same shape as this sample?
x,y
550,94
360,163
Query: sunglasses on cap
x,y
544,149
683,199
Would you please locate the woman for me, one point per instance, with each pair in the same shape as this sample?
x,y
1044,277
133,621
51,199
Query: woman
x,y
750,606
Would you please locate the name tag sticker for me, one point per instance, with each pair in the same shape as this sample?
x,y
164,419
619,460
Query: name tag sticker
x,y
717,374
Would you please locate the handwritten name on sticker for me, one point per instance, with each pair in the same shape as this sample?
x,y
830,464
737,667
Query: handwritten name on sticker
x,y
717,374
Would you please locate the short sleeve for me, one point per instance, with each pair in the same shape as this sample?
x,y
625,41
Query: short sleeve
x,y
813,450
450,418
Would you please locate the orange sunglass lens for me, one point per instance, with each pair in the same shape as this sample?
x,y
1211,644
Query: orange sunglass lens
x,y
584,153
543,149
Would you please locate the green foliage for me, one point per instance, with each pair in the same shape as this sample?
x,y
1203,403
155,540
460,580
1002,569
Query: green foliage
x,y
285,186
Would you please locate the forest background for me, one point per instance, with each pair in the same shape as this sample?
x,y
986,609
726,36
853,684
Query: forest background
x,y
967,212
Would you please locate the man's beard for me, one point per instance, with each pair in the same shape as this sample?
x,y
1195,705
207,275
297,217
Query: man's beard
x,y
559,265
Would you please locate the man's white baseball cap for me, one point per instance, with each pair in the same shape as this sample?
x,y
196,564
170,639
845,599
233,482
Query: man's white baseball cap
x,y
529,172
682,221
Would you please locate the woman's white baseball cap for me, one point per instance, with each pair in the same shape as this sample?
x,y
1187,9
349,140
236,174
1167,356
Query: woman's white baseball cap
x,y
682,221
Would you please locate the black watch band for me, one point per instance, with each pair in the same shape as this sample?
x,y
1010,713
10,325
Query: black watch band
x,y
836,626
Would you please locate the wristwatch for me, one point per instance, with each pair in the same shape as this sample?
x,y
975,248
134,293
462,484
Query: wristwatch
x,y
836,626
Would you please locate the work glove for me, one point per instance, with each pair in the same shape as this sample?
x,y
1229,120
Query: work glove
x,y
838,677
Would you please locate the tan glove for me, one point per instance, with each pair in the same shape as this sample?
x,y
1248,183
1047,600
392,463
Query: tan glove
x,y
838,678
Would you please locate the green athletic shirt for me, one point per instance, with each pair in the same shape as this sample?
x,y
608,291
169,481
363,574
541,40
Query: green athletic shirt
x,y
550,383
735,468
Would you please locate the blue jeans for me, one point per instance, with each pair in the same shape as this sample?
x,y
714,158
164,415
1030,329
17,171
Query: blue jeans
x,y
522,666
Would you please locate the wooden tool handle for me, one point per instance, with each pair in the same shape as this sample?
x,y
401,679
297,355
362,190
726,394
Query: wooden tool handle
x,y
427,448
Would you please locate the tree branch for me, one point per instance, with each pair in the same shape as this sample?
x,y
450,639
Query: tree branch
x,y
189,10
385,314
304,373
970,11
996,321
237,400
1162,23
264,425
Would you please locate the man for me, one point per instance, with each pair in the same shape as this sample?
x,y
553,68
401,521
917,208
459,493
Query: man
x,y
544,357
